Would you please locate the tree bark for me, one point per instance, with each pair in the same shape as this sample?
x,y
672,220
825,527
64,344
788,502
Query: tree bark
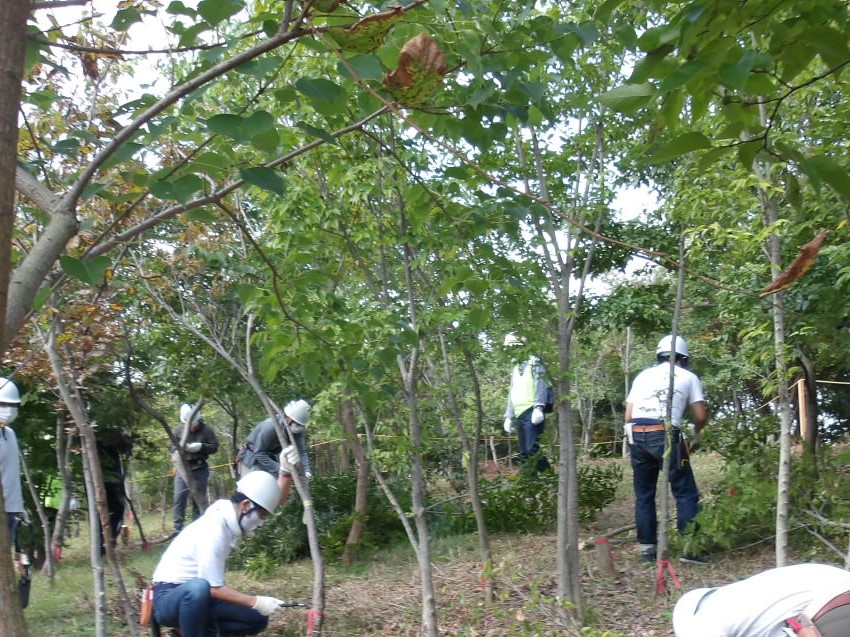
x,y
13,20
355,533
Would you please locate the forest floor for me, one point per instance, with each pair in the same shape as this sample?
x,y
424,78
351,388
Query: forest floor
x,y
382,597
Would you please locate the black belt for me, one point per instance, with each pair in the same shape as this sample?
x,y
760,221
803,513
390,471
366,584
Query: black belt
x,y
163,586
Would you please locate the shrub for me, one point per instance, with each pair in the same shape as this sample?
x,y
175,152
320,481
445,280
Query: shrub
x,y
283,538
528,502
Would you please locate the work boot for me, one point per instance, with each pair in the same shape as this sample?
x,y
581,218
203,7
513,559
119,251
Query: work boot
x,y
694,559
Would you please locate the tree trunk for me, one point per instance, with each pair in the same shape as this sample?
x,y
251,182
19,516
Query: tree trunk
x,y
13,38
364,468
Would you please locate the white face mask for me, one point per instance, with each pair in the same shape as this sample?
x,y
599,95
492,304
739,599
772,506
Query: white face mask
x,y
250,522
8,414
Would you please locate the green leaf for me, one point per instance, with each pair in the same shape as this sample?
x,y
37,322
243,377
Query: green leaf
x,y
178,8
367,67
319,89
266,178
682,145
628,98
90,271
68,146
125,18
711,156
40,297
604,11
259,67
833,174
682,75
326,97
215,11
316,132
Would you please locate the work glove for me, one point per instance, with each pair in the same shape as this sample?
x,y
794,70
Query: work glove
x,y
627,430
267,605
193,447
509,425
537,415
308,475
288,459
693,436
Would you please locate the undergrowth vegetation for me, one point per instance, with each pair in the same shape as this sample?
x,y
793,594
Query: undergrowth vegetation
x,y
522,502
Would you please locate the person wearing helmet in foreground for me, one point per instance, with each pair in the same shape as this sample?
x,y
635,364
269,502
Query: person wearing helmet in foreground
x,y
199,443
189,592
10,459
806,600
646,408
527,397
262,449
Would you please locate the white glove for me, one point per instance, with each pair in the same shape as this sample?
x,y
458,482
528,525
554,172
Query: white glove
x,y
193,447
537,415
267,605
694,437
627,430
308,475
509,425
288,459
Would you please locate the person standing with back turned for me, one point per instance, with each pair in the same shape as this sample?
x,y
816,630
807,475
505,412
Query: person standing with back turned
x,y
526,400
201,442
646,408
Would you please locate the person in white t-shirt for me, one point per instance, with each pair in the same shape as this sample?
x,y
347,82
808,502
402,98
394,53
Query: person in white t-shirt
x,y
188,583
646,408
806,600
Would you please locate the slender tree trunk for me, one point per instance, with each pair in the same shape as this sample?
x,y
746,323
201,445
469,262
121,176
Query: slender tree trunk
x,y
355,533
94,487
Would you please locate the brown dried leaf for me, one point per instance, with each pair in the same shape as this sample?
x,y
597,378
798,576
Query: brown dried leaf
x,y
90,66
419,56
799,266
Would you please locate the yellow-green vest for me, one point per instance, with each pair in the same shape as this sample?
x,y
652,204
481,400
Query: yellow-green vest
x,y
523,388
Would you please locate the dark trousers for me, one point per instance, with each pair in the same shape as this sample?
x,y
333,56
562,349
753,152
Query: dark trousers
x,y
115,503
647,455
529,434
182,493
189,607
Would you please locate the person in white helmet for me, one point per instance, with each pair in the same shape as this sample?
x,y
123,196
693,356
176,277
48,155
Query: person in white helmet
x,y
527,398
189,590
646,408
199,443
10,459
806,600
262,449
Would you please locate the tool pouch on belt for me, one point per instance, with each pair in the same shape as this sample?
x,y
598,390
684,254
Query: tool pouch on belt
x,y
146,611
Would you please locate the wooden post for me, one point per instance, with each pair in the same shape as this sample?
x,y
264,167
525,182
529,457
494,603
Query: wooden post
x,y
604,557
802,402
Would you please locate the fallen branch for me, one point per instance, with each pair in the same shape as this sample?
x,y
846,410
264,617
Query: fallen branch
x,y
589,543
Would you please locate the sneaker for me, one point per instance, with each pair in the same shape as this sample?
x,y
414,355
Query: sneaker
x,y
694,559
648,556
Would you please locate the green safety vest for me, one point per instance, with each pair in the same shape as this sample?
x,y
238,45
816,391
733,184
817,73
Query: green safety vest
x,y
522,388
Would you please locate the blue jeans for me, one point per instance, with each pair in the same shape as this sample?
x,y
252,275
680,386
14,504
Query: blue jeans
x,y
190,608
529,434
647,455
182,493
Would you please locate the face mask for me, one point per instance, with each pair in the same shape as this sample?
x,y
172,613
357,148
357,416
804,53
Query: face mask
x,y
251,521
8,414
295,427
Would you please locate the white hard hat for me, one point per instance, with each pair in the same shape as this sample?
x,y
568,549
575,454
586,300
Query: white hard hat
x,y
261,489
686,621
664,346
512,340
9,392
299,411
185,411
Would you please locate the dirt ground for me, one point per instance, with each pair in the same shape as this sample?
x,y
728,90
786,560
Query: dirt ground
x,y
384,600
